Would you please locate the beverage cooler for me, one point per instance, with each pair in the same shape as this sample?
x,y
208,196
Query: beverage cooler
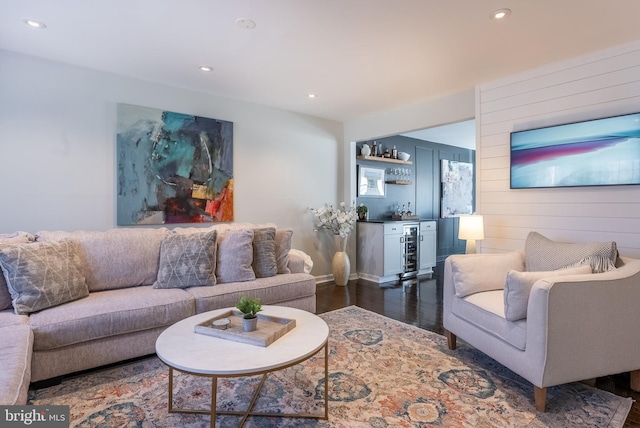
x,y
410,250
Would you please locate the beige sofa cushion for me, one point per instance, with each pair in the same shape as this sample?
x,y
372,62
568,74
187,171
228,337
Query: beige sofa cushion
x,y
486,311
9,317
273,290
518,286
15,364
543,254
470,273
43,274
187,261
109,313
116,258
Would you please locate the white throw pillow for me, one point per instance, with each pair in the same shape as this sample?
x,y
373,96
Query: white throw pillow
x,y
518,287
473,273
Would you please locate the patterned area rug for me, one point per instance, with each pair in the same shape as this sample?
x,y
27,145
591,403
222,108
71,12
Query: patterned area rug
x,y
383,373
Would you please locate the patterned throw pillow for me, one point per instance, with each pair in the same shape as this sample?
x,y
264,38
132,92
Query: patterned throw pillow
x,y
10,239
235,256
264,252
43,274
542,254
187,261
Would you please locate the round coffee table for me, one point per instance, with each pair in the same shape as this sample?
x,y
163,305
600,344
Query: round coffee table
x,y
180,348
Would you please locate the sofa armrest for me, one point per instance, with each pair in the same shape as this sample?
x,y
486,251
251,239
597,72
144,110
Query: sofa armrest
x,y
593,316
299,262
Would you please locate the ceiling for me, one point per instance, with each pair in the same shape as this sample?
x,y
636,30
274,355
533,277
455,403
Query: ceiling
x,y
360,57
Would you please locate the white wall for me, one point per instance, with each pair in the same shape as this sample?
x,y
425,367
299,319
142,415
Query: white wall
x,y
57,151
597,85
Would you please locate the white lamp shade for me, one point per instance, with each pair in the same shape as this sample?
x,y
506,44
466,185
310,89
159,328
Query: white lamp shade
x,y
471,227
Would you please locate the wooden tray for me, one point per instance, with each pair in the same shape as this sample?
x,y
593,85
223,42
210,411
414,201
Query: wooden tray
x,y
270,328
404,217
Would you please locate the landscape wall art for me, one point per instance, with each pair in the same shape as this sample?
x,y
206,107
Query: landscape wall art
x,y
597,152
173,167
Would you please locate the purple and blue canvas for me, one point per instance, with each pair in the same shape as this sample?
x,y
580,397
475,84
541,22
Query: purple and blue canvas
x,y
173,167
594,153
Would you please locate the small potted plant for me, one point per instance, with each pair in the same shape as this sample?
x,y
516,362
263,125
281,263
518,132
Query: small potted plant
x,y
250,309
363,212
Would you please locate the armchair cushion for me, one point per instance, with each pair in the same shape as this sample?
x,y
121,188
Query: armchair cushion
x,y
470,273
543,254
518,286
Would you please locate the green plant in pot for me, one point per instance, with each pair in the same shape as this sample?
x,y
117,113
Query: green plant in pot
x,y
363,212
249,309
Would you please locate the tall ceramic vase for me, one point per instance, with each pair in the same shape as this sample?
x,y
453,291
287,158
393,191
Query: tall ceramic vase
x,y
341,264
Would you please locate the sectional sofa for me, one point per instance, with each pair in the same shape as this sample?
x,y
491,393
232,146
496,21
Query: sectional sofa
x,y
71,301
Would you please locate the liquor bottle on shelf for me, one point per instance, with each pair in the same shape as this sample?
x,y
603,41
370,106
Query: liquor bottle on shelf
x,y
394,153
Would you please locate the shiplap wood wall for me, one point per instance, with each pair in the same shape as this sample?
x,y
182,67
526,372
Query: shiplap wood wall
x,y
606,83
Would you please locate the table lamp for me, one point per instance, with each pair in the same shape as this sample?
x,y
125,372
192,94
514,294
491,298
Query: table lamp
x,y
471,229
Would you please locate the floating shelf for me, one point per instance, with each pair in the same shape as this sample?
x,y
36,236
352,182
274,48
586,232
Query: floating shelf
x,y
405,182
379,159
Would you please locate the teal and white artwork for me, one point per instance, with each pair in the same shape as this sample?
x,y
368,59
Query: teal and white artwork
x,y
173,167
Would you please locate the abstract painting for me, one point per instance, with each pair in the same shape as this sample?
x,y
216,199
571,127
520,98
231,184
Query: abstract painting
x,y
173,167
457,188
599,152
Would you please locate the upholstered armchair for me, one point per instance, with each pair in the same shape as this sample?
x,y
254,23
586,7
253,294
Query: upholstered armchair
x,y
544,315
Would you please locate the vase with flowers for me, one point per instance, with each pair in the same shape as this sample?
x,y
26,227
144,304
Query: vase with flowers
x,y
338,221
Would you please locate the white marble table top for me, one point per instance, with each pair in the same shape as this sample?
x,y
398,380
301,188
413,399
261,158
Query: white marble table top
x,y
183,349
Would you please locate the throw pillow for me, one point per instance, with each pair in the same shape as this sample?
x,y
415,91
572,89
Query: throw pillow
x,y
518,287
187,261
235,256
9,239
264,252
283,246
543,254
43,274
473,273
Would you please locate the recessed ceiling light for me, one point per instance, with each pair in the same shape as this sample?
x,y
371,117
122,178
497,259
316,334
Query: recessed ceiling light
x,y
205,68
246,23
500,13
311,95
34,24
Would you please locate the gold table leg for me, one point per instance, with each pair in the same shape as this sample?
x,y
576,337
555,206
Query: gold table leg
x,y
213,412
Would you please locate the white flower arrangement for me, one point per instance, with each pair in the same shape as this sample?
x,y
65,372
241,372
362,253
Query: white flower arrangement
x,y
339,221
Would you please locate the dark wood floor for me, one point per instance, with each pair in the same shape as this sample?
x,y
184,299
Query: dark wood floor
x,y
419,303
